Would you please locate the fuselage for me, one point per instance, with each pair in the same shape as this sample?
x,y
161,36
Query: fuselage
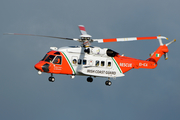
x,y
94,61
74,61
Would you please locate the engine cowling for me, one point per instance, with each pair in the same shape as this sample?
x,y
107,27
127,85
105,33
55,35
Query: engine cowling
x,y
111,53
99,51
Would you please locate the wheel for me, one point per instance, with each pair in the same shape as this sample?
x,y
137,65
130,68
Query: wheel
x,y
89,79
51,79
108,83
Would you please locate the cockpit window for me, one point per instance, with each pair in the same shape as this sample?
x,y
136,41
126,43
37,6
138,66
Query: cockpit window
x,y
57,60
49,58
44,57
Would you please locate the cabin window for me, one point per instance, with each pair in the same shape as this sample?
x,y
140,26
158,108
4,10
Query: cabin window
x,y
97,63
79,61
74,61
102,63
109,64
57,60
84,62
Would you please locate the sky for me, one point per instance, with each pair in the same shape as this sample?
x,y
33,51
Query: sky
x,y
143,94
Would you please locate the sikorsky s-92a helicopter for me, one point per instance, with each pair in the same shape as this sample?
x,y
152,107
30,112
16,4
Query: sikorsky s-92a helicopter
x,y
91,61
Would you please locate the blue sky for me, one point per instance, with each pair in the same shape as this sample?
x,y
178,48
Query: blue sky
x,y
141,94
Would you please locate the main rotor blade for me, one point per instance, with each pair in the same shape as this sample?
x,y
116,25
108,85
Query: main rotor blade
x,y
128,39
41,36
82,29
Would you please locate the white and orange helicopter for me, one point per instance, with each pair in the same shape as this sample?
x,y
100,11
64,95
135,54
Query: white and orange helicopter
x,y
87,60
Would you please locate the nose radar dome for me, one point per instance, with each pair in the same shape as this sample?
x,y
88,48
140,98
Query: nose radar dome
x,y
37,66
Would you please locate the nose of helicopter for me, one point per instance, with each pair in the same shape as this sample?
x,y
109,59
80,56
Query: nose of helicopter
x,y
42,66
38,66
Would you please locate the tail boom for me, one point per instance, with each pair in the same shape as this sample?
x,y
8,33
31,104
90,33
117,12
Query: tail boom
x,y
127,63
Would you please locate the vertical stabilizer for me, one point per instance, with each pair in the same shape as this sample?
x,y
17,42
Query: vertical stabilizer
x,y
158,53
162,50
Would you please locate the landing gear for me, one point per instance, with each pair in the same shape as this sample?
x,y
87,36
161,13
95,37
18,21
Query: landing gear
x,y
108,82
51,78
89,79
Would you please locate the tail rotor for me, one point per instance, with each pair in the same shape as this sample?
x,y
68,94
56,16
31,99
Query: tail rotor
x,y
171,42
166,55
161,44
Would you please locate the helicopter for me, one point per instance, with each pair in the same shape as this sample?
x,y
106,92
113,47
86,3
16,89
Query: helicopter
x,y
92,61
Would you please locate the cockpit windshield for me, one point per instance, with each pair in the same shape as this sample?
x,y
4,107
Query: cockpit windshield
x,y
44,57
48,58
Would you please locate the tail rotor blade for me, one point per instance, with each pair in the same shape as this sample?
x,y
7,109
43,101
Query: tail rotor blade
x,y
165,56
171,42
151,54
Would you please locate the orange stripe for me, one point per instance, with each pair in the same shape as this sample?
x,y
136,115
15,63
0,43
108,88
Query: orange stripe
x,y
110,40
146,38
